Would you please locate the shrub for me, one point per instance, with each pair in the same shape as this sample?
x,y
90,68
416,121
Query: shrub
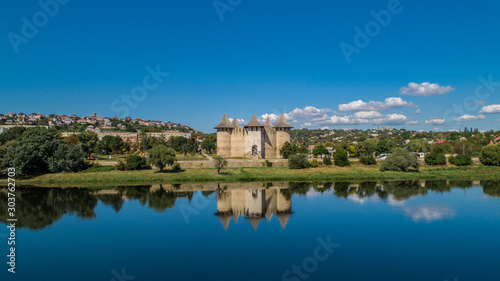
x,y
176,167
400,161
67,158
327,161
490,155
367,160
121,166
314,163
268,164
136,162
463,160
161,156
340,158
434,158
298,161
451,159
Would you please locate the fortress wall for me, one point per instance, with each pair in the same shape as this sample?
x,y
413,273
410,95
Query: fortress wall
x,y
224,142
281,138
238,143
254,137
270,143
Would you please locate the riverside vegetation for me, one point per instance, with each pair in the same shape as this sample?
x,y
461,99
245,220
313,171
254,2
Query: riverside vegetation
x,y
42,157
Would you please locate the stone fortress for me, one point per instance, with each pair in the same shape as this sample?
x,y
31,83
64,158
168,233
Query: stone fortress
x,y
254,140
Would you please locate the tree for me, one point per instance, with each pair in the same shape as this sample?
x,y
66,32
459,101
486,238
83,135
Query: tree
x,y
11,134
89,141
136,162
490,155
384,146
177,143
320,149
400,161
420,145
352,151
298,161
463,160
327,161
367,160
340,158
434,158
161,156
220,163
288,150
72,139
35,147
209,144
111,144
67,158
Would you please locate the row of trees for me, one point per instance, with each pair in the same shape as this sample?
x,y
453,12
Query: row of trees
x,y
39,150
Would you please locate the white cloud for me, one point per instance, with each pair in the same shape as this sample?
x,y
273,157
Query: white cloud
x,y
241,121
306,124
493,108
389,103
325,128
367,118
418,111
309,111
272,116
429,213
395,202
435,121
466,118
367,114
412,122
425,89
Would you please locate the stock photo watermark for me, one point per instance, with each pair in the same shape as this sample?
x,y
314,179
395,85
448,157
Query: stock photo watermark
x,y
363,37
223,6
310,264
11,221
121,276
30,27
463,112
121,106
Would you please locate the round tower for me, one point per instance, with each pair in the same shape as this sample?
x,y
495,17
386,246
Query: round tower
x,y
282,132
224,131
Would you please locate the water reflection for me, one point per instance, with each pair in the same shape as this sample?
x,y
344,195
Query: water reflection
x,y
38,208
254,205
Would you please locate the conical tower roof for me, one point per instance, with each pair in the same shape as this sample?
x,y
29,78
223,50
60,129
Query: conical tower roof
x,y
282,123
268,123
224,123
235,123
283,218
225,220
254,122
255,222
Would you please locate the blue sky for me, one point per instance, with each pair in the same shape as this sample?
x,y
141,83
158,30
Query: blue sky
x,y
424,69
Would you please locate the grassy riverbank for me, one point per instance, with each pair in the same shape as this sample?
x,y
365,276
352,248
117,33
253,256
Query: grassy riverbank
x,y
354,173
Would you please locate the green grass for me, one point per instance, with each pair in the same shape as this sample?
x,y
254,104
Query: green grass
x,y
105,176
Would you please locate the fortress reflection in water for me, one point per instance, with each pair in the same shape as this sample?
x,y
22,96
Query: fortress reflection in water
x,y
254,205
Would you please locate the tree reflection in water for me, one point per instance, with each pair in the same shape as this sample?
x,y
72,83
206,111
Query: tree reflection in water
x,y
39,207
